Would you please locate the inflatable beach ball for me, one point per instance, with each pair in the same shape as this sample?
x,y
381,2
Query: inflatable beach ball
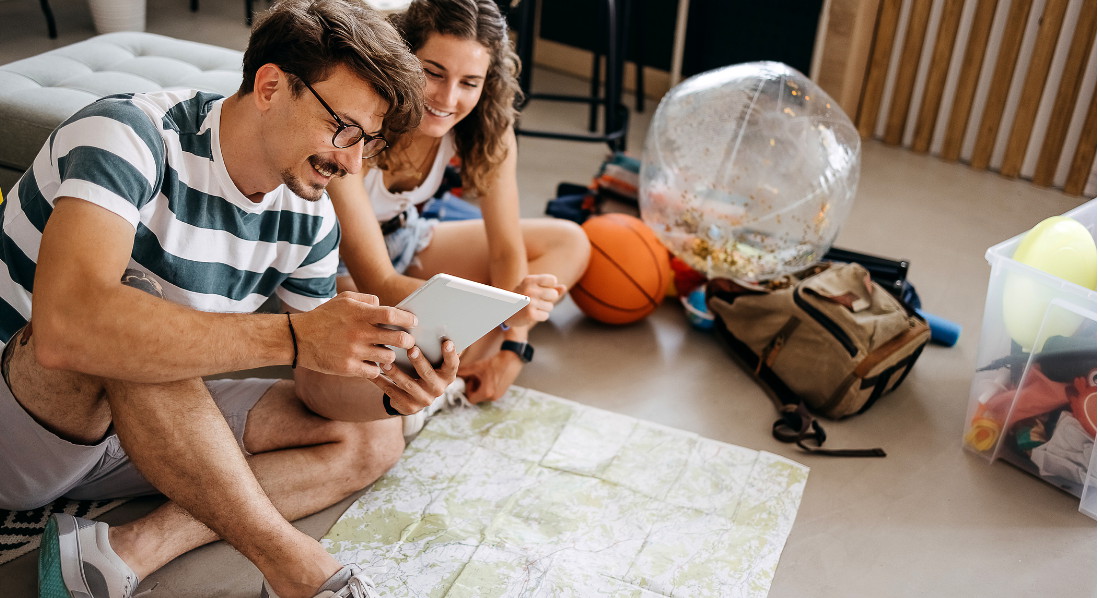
x,y
749,171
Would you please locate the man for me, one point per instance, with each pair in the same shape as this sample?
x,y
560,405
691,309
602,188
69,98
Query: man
x,y
149,228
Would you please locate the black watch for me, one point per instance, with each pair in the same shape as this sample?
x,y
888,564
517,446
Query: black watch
x,y
525,351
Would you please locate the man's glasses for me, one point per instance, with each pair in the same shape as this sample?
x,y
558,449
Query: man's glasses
x,y
348,135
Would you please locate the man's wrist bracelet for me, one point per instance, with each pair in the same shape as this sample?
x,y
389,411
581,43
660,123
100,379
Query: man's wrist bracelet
x,y
389,406
293,339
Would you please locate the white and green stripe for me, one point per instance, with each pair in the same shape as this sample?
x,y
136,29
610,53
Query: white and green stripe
x,y
154,160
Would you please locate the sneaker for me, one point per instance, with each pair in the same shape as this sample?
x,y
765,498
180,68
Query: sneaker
x,y
76,561
349,582
453,396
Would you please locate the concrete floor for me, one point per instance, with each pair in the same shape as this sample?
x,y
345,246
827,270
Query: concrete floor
x,y
930,519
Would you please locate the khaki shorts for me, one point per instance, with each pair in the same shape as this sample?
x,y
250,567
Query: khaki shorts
x,y
37,467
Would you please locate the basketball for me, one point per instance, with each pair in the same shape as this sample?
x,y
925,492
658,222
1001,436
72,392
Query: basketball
x,y
628,273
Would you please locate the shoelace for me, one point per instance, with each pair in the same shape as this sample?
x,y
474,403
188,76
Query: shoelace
x,y
456,397
453,396
360,585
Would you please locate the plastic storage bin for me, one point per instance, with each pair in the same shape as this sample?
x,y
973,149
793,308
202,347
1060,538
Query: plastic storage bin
x,y
1033,398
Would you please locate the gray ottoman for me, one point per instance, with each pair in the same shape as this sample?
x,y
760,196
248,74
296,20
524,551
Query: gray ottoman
x,y
37,94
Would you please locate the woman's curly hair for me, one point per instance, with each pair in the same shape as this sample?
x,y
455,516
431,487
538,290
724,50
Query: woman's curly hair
x,y
479,138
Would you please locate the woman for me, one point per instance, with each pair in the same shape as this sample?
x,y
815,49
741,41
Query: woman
x,y
470,92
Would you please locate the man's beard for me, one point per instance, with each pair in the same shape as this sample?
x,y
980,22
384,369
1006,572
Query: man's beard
x,y
311,191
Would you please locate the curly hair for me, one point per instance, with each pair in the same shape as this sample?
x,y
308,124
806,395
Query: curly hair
x,y
309,38
479,138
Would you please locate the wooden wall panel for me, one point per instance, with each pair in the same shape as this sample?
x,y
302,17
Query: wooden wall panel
x,y
937,74
1035,81
1085,156
997,95
845,51
1068,89
981,71
879,67
967,88
907,71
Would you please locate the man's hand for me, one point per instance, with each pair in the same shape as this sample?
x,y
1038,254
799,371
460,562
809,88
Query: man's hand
x,y
487,379
544,291
345,336
409,394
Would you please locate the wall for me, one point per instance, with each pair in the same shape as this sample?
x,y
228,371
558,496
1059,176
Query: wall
x,y
1003,85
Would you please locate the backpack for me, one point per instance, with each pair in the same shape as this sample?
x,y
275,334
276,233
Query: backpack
x,y
828,340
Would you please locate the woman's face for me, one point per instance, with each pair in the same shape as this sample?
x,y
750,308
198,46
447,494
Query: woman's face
x,y
455,71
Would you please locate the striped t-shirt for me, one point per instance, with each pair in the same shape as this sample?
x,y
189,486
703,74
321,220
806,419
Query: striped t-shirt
x,y
155,159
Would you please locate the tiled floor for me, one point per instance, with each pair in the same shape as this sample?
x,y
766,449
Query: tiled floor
x,y
929,520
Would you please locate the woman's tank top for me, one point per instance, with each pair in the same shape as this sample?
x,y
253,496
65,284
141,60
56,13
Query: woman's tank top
x,y
388,204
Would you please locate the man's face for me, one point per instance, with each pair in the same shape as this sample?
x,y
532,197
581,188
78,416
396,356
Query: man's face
x,y
311,159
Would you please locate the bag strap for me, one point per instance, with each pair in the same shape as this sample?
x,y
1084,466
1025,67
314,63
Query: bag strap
x,y
796,424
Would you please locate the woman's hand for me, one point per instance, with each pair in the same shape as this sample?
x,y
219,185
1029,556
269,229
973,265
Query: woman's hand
x,y
545,292
488,379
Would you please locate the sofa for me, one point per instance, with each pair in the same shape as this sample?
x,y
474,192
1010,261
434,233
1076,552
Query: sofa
x,y
38,93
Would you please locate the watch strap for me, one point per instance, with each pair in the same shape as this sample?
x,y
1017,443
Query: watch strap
x,y
525,351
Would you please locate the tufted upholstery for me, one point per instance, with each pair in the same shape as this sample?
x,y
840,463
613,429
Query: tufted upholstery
x,y
37,94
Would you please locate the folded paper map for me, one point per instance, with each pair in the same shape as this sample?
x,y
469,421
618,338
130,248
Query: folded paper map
x,y
539,496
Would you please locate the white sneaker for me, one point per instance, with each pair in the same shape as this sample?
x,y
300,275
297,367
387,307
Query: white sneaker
x,y
348,582
76,559
453,396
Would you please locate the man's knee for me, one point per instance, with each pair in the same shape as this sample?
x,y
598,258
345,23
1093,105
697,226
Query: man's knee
x,y
370,449
70,404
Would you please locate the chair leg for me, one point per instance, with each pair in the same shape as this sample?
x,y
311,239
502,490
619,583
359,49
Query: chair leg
x,y
194,5
615,116
526,46
51,24
614,74
594,91
636,42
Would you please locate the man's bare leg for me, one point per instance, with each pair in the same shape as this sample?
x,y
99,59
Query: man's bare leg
x,y
177,438
304,462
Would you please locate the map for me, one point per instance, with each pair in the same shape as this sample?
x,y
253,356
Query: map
x,y
534,495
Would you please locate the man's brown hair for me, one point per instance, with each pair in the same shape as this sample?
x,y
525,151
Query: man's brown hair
x,y
309,38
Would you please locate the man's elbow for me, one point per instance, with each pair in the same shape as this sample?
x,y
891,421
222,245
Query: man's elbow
x,y
54,344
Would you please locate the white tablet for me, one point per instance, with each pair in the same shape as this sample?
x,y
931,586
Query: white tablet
x,y
462,310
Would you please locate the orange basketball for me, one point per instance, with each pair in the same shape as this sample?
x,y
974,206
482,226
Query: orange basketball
x,y
628,273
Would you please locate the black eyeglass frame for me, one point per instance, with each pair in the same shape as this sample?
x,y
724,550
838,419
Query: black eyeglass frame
x,y
342,126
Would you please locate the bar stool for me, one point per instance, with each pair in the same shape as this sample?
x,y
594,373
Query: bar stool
x,y
248,10
614,16
51,24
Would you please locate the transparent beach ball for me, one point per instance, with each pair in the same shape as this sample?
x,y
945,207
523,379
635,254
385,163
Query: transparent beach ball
x,y
749,171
